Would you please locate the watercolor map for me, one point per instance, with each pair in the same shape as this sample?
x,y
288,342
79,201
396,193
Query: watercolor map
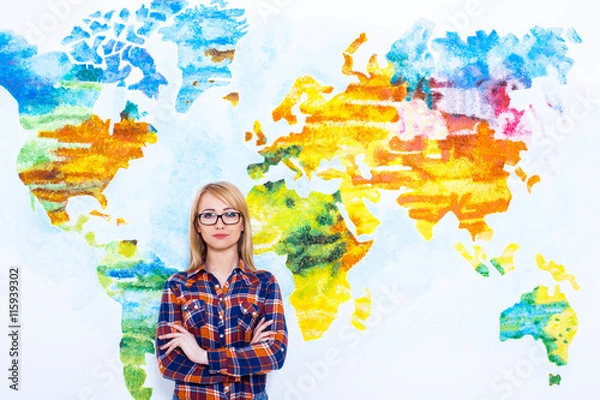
x,y
439,131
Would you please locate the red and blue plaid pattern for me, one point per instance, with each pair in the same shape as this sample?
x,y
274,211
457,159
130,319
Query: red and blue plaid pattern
x,y
223,320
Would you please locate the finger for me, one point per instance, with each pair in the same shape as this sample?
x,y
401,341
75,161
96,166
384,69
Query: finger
x,y
264,336
172,346
170,335
170,349
259,339
262,340
178,327
166,345
262,326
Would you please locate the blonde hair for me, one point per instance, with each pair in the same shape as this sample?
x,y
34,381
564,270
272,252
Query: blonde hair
x,y
229,194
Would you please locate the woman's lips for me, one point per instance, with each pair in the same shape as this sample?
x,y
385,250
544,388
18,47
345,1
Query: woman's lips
x,y
220,236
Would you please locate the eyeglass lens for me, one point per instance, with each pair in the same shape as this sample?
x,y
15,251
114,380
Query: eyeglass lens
x,y
228,218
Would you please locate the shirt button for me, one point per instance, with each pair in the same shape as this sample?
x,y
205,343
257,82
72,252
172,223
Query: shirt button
x,y
221,335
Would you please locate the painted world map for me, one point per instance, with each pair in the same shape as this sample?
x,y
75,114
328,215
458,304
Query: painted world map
x,y
439,127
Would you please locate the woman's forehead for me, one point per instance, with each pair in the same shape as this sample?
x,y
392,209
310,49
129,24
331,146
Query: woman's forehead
x,y
209,201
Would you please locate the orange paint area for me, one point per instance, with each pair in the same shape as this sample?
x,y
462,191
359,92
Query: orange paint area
x,y
388,139
218,56
530,181
261,139
87,158
233,98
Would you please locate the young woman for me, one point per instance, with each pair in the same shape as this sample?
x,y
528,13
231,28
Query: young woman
x,y
221,325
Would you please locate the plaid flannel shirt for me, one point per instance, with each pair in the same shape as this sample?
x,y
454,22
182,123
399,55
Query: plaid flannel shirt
x,y
223,320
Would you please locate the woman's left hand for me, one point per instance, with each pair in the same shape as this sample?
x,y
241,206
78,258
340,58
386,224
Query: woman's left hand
x,y
260,334
186,341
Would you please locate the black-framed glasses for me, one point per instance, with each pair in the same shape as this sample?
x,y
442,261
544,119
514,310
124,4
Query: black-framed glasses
x,y
228,218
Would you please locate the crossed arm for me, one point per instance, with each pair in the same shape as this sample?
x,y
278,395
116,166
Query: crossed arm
x,y
181,358
186,341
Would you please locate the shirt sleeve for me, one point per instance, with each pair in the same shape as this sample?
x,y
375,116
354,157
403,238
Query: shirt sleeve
x,y
175,365
258,358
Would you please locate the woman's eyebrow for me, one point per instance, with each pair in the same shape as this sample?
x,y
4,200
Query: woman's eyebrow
x,y
212,209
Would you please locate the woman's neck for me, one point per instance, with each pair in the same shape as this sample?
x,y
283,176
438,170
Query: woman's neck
x,y
221,264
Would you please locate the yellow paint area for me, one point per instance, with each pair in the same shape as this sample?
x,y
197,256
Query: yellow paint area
x,y
543,295
316,299
362,311
507,259
320,249
477,258
563,327
557,271
127,248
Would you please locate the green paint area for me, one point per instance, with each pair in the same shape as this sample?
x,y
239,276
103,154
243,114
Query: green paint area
x,y
59,117
483,270
310,231
274,157
545,317
39,151
554,379
319,247
77,226
498,266
136,282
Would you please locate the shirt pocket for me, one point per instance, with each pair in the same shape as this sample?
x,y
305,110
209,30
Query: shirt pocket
x,y
248,313
194,314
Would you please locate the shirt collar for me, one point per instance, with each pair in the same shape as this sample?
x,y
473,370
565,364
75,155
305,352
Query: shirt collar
x,y
247,274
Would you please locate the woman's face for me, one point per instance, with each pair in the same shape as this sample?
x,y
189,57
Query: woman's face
x,y
225,233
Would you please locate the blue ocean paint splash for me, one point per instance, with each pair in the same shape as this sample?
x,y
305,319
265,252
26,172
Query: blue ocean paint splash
x,y
168,7
573,36
410,56
36,81
481,57
196,31
139,57
112,42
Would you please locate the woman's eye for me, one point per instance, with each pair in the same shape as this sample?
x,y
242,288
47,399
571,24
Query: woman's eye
x,y
208,215
230,214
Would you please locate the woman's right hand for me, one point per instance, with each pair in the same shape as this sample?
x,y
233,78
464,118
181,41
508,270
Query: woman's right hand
x,y
260,334
186,341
